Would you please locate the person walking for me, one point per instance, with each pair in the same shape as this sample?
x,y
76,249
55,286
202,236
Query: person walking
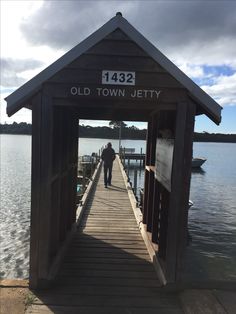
x,y
108,156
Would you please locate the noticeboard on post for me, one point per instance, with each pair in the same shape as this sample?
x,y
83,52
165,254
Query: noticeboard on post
x,y
163,163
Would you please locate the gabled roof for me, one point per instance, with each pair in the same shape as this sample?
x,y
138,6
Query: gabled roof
x,y
19,98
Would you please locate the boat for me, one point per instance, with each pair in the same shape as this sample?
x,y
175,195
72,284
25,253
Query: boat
x,y
87,164
198,162
82,183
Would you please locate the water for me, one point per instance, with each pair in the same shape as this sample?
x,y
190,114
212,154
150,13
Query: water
x,y
15,174
212,219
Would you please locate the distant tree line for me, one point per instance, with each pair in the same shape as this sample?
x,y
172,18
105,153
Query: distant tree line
x,y
84,131
16,128
112,132
214,137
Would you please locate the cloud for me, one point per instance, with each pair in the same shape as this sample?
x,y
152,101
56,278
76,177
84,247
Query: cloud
x,y
13,70
198,36
223,90
197,31
192,70
63,24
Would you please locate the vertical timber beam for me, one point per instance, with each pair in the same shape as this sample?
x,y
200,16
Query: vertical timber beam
x,y
74,161
156,210
35,191
183,215
46,177
41,189
147,173
150,207
179,193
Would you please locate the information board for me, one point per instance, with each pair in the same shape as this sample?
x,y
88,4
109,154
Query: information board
x,y
163,163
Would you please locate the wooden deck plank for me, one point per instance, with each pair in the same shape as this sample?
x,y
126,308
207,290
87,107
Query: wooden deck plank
x,y
110,235
114,243
114,301
107,268
105,273
104,290
196,301
44,309
111,260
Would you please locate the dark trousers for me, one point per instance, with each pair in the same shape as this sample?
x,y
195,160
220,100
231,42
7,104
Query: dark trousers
x,y
107,174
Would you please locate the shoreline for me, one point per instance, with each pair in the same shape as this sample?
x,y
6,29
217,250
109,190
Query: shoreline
x,y
133,139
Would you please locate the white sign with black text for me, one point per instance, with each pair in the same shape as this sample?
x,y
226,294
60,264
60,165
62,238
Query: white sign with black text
x,y
118,77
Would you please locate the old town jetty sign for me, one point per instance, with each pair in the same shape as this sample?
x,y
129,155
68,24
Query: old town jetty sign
x,y
128,90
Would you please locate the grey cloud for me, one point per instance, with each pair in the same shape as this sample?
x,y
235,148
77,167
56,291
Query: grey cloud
x,y
182,22
12,68
170,25
196,32
63,24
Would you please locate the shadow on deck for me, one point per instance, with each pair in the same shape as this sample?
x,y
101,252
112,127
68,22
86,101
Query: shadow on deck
x,y
107,268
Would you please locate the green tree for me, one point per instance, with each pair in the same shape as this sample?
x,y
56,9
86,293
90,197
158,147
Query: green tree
x,y
116,124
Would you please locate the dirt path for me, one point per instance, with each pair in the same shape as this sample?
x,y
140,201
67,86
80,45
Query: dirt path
x,y
14,296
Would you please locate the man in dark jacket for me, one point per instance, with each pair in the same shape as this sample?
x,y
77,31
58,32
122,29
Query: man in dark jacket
x,y
108,156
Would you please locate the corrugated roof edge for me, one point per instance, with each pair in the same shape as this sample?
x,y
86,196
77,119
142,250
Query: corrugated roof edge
x,y
16,100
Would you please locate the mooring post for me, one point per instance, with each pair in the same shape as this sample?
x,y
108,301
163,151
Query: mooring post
x,y
128,168
124,157
135,182
140,163
84,176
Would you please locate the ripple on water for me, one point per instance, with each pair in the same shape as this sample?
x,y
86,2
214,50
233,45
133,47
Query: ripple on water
x,y
15,206
212,219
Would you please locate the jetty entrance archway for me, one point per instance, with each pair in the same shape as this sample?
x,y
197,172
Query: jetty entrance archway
x,y
115,74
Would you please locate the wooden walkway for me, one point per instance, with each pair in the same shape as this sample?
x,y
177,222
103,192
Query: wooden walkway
x,y
107,268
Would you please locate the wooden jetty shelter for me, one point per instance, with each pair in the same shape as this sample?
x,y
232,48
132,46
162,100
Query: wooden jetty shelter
x,y
114,74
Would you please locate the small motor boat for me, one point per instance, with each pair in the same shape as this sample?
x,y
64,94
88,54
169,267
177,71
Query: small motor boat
x,y
198,162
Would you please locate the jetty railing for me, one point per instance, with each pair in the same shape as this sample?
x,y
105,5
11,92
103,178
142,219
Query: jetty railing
x,y
86,167
127,155
94,172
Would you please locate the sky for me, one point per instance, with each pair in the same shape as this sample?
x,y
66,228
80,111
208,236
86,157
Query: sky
x,y
198,36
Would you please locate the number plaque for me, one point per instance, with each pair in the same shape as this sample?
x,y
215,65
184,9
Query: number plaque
x,y
118,77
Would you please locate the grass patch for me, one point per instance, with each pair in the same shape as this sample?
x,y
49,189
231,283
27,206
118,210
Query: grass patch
x,y
29,300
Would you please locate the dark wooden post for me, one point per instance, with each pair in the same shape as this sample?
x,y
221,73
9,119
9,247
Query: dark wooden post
x,y
150,207
183,215
156,210
56,183
35,191
177,216
146,176
41,188
45,186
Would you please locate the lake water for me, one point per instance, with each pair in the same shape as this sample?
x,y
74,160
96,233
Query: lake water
x,y
212,219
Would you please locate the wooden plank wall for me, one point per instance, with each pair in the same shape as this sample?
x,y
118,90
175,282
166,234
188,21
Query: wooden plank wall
x,y
115,52
181,173
35,190
164,212
64,179
54,169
